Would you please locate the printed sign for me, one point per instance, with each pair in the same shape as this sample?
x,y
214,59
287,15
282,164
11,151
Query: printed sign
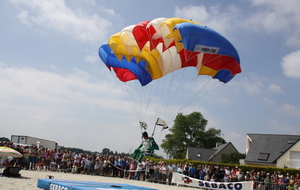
x,y
193,182
206,49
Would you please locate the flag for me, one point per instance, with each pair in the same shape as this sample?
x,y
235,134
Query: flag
x,y
161,122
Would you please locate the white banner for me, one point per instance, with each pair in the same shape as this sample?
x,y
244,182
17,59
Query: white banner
x,y
193,182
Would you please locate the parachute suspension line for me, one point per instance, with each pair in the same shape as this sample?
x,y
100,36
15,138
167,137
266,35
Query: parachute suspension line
x,y
132,97
207,88
155,132
173,92
125,89
143,100
187,86
177,93
164,96
137,99
190,83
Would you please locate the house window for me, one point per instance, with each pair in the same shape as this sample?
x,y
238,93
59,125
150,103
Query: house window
x,y
263,156
198,155
292,141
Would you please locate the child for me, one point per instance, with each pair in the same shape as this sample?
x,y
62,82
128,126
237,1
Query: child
x,y
52,165
41,164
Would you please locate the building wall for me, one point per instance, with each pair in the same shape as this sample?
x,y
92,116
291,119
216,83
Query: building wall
x,y
259,164
285,159
22,139
227,150
248,143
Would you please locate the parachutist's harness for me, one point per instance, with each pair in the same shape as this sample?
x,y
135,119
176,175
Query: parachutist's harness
x,y
146,148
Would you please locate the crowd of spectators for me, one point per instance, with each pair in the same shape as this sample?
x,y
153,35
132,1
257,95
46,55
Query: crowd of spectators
x,y
35,158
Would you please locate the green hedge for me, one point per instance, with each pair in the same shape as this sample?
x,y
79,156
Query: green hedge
x,y
245,168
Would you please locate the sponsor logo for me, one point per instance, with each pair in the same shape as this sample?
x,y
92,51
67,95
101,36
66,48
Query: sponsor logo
x,y
57,187
186,180
234,186
206,49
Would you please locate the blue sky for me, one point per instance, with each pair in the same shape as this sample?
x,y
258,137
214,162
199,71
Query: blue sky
x,y
54,86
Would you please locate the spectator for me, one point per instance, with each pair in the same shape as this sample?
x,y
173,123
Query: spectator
x,y
292,182
93,164
98,168
180,168
198,172
219,174
151,171
163,172
170,170
132,169
123,166
275,182
202,174
156,172
76,164
240,176
86,163
139,170
226,178
268,182
186,169
191,171
248,176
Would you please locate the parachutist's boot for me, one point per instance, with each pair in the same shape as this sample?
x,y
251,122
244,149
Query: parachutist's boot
x,y
141,157
135,153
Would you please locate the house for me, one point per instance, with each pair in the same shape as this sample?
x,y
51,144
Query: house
x,y
273,150
214,155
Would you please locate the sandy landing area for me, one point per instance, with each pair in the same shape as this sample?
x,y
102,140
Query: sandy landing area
x,y
28,180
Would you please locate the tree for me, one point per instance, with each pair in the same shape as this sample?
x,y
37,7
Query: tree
x,y
4,139
189,131
233,158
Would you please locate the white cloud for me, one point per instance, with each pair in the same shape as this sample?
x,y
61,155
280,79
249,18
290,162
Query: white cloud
x,y
34,101
291,65
290,110
268,102
111,12
53,88
275,88
271,16
252,84
278,127
212,17
276,16
92,57
192,12
55,15
238,140
23,16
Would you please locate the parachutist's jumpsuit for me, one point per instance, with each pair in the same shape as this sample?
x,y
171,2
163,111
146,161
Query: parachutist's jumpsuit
x,y
146,148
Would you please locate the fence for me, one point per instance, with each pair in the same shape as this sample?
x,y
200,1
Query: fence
x,y
258,185
180,179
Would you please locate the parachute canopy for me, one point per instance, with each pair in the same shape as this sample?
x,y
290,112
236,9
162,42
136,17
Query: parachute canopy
x,y
152,49
167,63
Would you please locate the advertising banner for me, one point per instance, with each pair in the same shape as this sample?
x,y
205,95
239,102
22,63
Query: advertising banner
x,y
193,182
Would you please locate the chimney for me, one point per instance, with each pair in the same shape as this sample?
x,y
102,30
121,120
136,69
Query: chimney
x,y
218,144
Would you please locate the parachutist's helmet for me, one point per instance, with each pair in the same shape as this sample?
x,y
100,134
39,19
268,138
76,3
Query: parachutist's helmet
x,y
145,134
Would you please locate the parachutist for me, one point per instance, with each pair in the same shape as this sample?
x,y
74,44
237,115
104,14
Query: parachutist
x,y
146,148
